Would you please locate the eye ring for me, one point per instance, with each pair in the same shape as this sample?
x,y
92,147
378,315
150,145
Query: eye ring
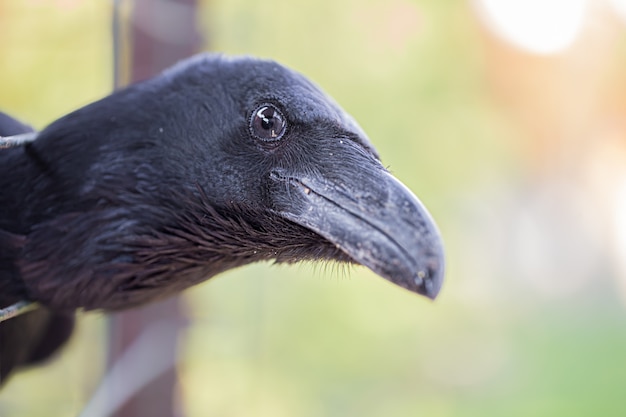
x,y
267,123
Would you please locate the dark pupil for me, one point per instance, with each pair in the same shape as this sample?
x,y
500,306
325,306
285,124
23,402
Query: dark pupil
x,y
268,123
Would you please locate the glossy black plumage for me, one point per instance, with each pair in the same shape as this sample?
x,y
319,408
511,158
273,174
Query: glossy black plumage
x,y
165,184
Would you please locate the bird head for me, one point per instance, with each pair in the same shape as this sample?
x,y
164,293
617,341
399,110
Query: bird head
x,y
275,170
282,145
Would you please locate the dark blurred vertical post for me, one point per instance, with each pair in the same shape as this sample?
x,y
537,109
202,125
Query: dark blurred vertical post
x,y
158,34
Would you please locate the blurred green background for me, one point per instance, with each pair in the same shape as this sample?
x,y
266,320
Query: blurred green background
x,y
520,157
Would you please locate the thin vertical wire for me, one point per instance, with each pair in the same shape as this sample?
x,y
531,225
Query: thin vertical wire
x,y
116,29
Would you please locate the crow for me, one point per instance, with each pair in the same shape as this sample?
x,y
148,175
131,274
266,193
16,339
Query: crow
x,y
216,163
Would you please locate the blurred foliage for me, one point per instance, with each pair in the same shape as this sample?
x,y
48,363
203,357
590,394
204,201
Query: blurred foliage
x,y
56,57
333,341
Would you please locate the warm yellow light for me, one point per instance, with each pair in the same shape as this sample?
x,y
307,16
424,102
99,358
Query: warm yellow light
x,y
620,7
538,26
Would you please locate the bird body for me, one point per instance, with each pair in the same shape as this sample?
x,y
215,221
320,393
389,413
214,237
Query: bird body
x,y
216,163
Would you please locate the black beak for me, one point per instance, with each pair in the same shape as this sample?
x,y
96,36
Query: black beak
x,y
374,218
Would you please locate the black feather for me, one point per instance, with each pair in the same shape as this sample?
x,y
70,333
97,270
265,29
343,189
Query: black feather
x,y
35,336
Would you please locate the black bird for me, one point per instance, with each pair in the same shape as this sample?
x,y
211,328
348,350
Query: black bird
x,y
216,163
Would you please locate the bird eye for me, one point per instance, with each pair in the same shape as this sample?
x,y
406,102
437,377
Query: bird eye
x,y
267,123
